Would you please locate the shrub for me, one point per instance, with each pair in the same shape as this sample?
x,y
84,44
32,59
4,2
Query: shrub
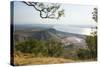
x,y
83,54
40,47
54,47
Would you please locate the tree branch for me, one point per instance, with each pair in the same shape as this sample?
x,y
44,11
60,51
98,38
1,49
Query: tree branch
x,y
49,11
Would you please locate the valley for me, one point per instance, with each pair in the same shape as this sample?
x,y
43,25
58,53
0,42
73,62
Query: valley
x,y
36,42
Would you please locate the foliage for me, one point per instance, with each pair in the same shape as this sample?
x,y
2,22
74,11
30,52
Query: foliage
x,y
95,13
91,51
54,47
45,48
83,54
50,11
92,45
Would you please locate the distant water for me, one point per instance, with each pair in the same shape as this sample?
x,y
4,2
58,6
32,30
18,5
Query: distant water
x,y
78,29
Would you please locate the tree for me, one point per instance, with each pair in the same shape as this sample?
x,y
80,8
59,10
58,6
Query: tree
x,y
91,51
55,48
50,11
95,13
50,48
83,54
95,18
92,40
31,46
94,34
92,46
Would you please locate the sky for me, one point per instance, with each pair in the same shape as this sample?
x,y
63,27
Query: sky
x,y
74,15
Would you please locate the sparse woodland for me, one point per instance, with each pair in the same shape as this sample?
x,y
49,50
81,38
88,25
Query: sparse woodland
x,y
35,51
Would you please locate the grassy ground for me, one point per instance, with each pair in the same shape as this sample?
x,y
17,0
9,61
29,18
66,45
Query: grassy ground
x,y
27,60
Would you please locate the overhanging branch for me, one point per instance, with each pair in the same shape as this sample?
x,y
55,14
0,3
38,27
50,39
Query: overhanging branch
x,y
45,11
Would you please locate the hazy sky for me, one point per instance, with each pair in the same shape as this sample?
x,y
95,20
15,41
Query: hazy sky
x,y
74,14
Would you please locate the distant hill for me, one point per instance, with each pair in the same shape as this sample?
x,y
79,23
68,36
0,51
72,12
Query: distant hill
x,y
71,41
40,34
23,32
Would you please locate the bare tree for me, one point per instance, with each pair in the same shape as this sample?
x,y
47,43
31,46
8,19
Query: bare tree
x,y
47,10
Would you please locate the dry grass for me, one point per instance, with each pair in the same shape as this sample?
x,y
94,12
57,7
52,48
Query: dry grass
x,y
26,60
